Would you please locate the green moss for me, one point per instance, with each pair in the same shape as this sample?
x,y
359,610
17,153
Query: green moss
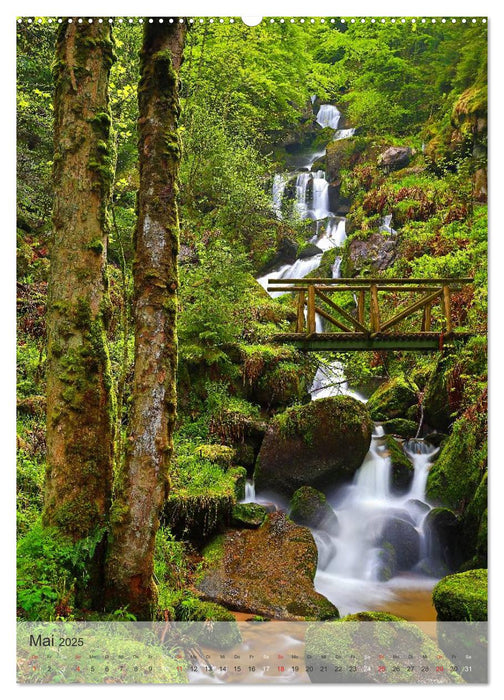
x,y
218,454
392,399
248,515
96,246
400,426
462,596
455,476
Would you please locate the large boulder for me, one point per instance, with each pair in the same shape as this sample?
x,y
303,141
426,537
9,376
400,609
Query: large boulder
x,y
404,539
368,254
401,427
395,158
443,530
310,507
320,444
363,648
462,596
392,399
435,402
267,572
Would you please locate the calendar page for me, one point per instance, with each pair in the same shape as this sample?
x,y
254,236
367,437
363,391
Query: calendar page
x,y
252,350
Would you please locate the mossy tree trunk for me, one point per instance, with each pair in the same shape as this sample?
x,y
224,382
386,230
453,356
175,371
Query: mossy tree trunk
x,y
79,402
144,481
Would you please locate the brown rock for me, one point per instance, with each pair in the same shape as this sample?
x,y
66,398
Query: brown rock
x,y
267,572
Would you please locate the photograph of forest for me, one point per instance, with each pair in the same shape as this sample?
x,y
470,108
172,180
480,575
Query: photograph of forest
x,y
252,317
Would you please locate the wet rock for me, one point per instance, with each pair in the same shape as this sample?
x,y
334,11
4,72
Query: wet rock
x,y
309,250
400,426
286,255
239,476
462,596
395,158
371,254
387,562
320,444
267,572
248,515
404,539
402,469
392,399
444,531
310,507
436,404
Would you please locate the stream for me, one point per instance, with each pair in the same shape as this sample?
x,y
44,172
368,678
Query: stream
x,y
352,564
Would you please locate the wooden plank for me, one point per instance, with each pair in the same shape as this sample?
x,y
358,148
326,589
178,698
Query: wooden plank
x,y
426,320
311,325
356,288
300,312
360,305
331,319
341,311
410,310
447,307
375,309
350,342
382,281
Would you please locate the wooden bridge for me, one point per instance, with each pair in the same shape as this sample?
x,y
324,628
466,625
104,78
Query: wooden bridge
x,y
365,328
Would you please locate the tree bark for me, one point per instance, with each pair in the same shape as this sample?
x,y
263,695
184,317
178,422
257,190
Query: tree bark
x,y
79,401
143,482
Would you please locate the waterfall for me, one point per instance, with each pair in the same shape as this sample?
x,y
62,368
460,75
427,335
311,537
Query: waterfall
x,y
320,204
359,568
343,134
300,205
386,224
328,115
279,183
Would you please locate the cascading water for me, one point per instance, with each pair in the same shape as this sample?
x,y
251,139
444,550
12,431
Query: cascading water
x,y
328,115
279,183
379,545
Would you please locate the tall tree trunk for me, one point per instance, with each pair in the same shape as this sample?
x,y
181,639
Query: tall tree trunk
x,y
144,481
79,405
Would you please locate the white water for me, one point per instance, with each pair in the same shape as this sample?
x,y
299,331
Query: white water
x,y
351,558
328,115
279,183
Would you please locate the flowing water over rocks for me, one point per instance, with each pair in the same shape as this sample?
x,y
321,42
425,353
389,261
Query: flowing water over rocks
x,y
379,546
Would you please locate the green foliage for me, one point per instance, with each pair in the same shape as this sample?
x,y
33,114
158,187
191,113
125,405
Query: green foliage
x,y
51,568
29,491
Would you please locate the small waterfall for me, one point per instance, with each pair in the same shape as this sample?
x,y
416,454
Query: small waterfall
x,y
250,494
337,233
320,204
343,134
386,225
300,205
279,183
328,115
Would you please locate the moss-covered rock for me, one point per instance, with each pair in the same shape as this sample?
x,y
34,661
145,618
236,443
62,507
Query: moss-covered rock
x,y
401,427
308,250
310,507
402,469
443,529
275,376
340,652
222,636
198,517
248,515
218,454
462,596
320,444
365,254
456,474
392,399
267,571
387,566
403,538
239,478
326,264
435,402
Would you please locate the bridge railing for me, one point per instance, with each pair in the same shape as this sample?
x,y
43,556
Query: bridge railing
x,y
367,319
